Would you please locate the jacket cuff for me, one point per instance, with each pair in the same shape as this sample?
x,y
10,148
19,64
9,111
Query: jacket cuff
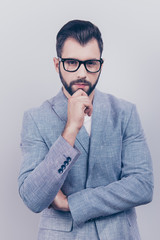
x,y
66,156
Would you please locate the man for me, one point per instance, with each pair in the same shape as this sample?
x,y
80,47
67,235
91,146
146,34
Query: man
x,y
86,164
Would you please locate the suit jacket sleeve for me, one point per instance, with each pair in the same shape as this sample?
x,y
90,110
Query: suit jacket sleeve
x,y
135,187
39,179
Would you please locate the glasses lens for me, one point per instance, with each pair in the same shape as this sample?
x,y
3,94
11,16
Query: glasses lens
x,y
71,64
93,65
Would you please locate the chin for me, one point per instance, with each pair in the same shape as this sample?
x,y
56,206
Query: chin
x,y
75,90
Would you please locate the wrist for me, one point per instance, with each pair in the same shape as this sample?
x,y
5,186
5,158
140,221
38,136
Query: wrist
x,y
69,134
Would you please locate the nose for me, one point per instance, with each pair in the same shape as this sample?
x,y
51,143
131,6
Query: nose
x,y
81,72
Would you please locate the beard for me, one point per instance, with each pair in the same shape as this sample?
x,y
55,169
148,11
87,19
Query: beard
x,y
69,88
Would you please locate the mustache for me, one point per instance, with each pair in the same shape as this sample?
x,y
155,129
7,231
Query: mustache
x,y
80,81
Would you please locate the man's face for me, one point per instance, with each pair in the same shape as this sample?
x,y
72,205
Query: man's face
x,y
80,79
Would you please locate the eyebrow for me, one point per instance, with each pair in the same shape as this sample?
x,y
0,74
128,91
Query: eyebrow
x,y
79,59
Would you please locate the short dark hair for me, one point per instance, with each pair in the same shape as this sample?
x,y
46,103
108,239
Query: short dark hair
x,y
80,30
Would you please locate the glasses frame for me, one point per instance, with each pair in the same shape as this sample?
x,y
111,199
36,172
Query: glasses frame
x,y
81,62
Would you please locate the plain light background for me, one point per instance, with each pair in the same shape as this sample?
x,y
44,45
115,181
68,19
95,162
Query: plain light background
x,y
131,34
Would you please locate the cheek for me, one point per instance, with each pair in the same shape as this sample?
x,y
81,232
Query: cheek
x,y
94,78
68,77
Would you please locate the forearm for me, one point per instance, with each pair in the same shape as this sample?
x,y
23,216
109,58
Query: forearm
x,y
116,197
39,187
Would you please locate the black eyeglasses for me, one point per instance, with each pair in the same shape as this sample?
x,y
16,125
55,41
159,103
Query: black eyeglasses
x,y
72,65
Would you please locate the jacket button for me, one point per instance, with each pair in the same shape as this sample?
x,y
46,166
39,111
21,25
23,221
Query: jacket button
x,y
63,167
60,170
66,163
68,159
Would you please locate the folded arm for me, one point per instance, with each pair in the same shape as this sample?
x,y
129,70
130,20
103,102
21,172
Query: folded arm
x,y
43,171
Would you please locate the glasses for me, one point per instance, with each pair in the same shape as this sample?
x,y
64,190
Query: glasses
x,y
72,65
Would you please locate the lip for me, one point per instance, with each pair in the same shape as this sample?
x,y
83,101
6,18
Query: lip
x,y
81,85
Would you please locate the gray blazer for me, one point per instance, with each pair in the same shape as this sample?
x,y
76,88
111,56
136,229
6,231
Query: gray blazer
x,y
104,176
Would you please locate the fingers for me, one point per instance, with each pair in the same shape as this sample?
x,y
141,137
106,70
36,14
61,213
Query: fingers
x,y
82,97
79,92
88,110
60,202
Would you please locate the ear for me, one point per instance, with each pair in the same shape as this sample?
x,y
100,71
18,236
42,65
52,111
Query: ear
x,y
102,63
56,64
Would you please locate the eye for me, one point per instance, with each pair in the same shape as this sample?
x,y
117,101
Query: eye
x,y
71,62
92,62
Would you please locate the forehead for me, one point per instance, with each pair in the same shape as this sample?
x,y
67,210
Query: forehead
x,y
73,49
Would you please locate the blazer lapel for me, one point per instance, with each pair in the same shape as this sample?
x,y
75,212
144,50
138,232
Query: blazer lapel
x,y
99,124
83,139
59,105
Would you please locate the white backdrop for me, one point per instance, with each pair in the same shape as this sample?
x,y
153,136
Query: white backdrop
x,y
131,34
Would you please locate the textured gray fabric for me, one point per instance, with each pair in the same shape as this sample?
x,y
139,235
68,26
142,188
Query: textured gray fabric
x,y
110,172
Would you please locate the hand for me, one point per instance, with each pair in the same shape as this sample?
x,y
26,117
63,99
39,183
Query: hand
x,y
60,202
79,104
